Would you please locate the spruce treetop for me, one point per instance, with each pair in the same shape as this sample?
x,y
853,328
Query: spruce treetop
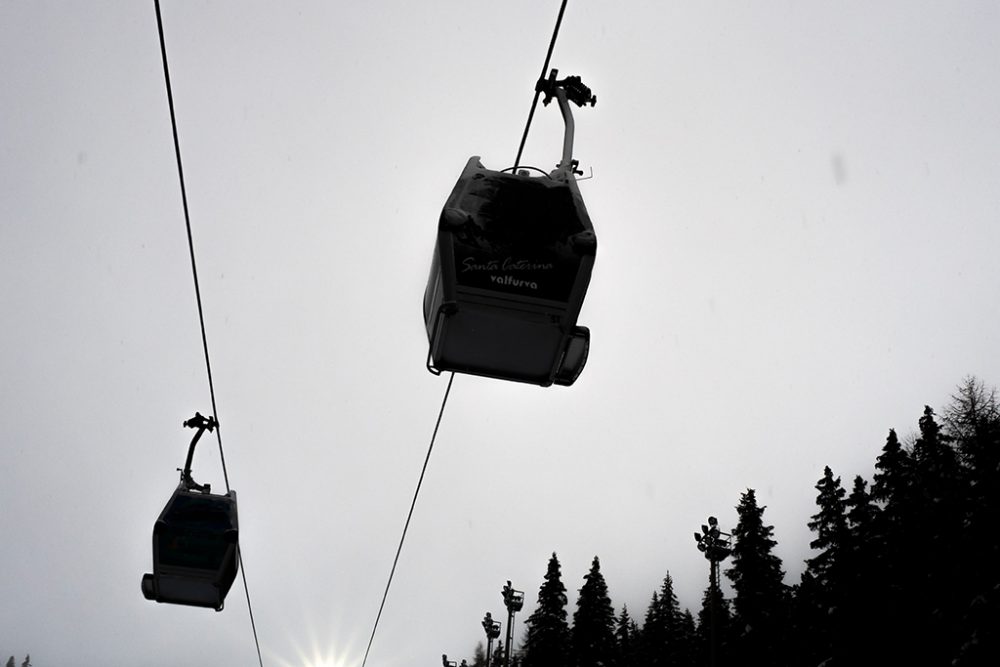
x,y
593,634
547,640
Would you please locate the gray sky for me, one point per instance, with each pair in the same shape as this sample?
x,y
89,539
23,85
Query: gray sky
x,y
797,212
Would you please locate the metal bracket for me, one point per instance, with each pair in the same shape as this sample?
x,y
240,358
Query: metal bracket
x,y
202,424
576,91
570,89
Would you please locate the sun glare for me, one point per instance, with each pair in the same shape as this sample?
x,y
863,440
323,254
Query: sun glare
x,y
319,660
314,647
326,662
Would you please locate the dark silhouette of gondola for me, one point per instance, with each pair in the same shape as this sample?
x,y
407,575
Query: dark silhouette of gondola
x,y
195,540
512,265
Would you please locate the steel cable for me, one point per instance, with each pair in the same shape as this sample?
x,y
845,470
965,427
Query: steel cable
x,y
197,292
534,100
409,516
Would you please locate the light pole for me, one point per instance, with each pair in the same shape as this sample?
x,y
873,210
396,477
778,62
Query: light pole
x,y
514,601
715,544
492,629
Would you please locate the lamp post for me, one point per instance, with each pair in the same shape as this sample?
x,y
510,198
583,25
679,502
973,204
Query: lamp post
x,y
715,545
514,601
492,629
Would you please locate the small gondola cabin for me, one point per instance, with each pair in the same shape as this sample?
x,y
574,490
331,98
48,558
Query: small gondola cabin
x,y
195,543
510,271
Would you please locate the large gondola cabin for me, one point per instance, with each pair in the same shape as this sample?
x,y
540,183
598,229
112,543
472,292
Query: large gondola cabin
x,y
510,270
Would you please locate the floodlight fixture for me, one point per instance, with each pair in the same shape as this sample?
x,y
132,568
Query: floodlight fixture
x,y
512,599
491,627
715,544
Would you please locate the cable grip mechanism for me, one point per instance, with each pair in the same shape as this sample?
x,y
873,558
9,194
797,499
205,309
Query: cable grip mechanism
x,y
203,424
576,91
570,89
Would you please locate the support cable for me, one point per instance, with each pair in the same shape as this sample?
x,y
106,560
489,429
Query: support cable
x,y
545,71
409,516
444,402
197,292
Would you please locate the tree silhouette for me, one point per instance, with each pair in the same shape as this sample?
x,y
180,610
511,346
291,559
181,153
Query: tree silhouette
x,y
593,634
723,628
626,640
685,653
830,526
547,641
973,422
819,608
904,571
669,618
761,596
651,637
662,641
934,561
860,623
479,655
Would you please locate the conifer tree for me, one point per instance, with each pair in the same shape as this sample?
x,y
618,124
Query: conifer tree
x,y
593,634
722,615
685,654
861,624
626,640
652,637
893,544
861,511
811,631
660,639
761,596
10,662
830,526
669,618
892,474
547,641
820,595
936,559
479,656
973,421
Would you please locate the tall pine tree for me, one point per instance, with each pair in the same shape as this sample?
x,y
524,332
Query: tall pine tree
x,y
593,634
686,648
820,596
761,596
721,615
652,636
670,621
973,421
860,621
547,641
661,637
626,640
830,526
937,561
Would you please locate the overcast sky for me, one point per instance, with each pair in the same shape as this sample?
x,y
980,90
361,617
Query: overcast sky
x,y
797,210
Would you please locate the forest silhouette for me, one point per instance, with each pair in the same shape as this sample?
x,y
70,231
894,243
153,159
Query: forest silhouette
x,y
903,572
